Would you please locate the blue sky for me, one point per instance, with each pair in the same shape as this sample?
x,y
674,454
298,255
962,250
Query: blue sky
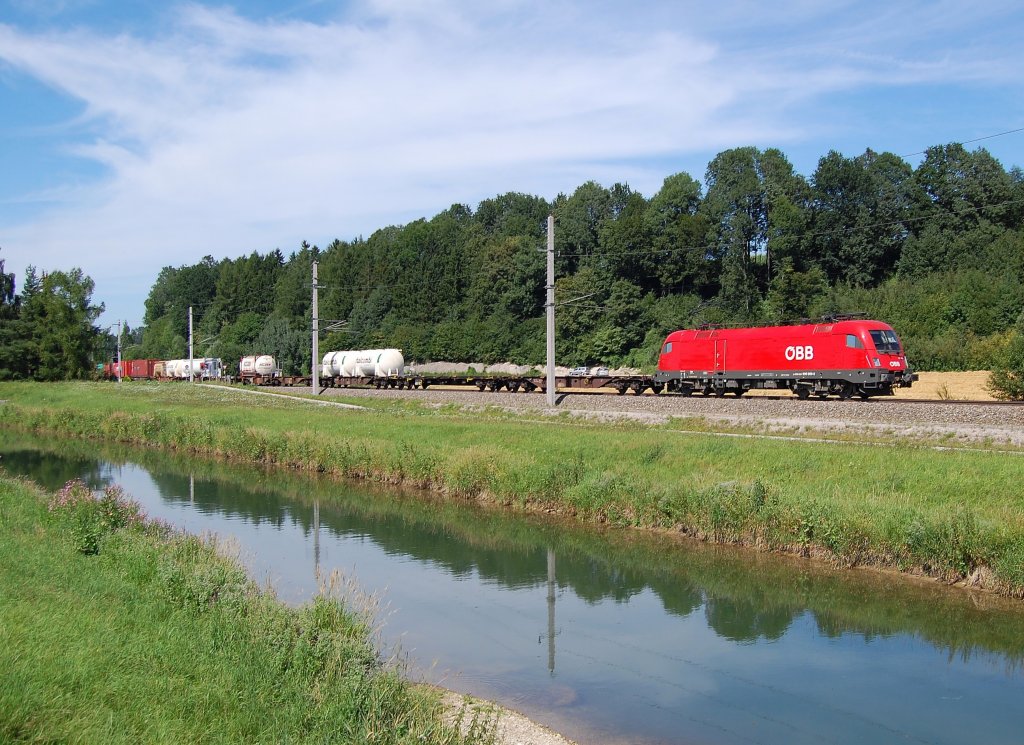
x,y
137,135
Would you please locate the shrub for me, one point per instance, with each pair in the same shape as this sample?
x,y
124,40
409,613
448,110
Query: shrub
x,y
89,518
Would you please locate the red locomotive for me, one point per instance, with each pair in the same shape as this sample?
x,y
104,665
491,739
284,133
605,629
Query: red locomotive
x,y
842,358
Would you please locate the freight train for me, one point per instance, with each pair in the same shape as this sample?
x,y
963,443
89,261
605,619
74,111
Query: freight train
x,y
841,357
206,368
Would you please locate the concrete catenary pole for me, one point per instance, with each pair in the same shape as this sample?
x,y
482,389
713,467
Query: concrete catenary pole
x,y
191,354
118,351
550,387
315,370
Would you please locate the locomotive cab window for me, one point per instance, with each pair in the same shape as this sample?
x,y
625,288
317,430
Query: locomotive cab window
x,y
667,348
886,342
854,342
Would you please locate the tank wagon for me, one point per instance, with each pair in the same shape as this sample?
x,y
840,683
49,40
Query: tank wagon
x,y
364,363
262,369
206,368
842,358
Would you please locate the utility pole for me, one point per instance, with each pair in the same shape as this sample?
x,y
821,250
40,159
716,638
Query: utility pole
x,y
316,337
118,351
550,387
191,356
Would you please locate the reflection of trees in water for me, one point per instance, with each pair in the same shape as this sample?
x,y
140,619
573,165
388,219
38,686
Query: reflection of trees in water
x,y
748,596
747,620
52,473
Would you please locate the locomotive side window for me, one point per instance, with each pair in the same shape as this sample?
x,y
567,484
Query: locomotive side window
x,y
886,342
854,342
667,348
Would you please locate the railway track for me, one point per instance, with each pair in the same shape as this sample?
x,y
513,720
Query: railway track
x,y
606,391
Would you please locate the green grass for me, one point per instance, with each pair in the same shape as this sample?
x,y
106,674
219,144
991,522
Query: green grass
x,y
951,514
144,635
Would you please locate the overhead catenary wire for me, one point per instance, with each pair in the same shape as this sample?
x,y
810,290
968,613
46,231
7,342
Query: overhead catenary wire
x,y
968,142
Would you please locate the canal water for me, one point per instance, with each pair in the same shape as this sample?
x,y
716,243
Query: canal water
x,y
605,636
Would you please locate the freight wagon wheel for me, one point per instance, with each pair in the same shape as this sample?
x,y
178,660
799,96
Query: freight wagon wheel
x,y
657,389
739,392
513,387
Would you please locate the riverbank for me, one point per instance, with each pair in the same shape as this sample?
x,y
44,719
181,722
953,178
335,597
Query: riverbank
x,y
950,515
116,629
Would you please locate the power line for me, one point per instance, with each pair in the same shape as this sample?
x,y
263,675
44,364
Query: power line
x,y
968,142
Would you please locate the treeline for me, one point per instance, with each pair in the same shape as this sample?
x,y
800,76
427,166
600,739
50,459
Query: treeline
x,y
48,331
937,251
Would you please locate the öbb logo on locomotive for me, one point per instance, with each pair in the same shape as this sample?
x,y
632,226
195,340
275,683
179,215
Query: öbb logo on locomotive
x,y
800,353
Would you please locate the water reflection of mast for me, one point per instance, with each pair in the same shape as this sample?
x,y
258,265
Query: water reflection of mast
x,y
192,488
316,538
551,611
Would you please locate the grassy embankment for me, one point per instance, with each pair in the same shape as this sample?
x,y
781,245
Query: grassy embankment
x,y
113,629
955,515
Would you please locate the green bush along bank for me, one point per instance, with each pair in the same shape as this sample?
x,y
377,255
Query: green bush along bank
x,y
117,629
955,515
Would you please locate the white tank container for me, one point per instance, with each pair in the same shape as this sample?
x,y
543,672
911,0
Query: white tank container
x,y
208,367
177,368
365,363
262,364
329,370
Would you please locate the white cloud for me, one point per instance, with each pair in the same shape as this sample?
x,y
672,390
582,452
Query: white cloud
x,y
224,135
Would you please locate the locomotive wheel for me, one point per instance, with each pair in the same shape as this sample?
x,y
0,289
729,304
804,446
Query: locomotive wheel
x,y
719,392
657,389
739,392
846,391
802,393
864,394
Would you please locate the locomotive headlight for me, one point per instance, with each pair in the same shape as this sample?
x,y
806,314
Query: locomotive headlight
x,y
878,362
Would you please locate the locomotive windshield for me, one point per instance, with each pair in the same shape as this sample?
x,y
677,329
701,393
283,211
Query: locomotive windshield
x,y
886,342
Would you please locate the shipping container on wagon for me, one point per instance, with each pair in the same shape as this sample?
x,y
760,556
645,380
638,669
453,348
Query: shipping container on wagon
x,y
141,369
843,358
